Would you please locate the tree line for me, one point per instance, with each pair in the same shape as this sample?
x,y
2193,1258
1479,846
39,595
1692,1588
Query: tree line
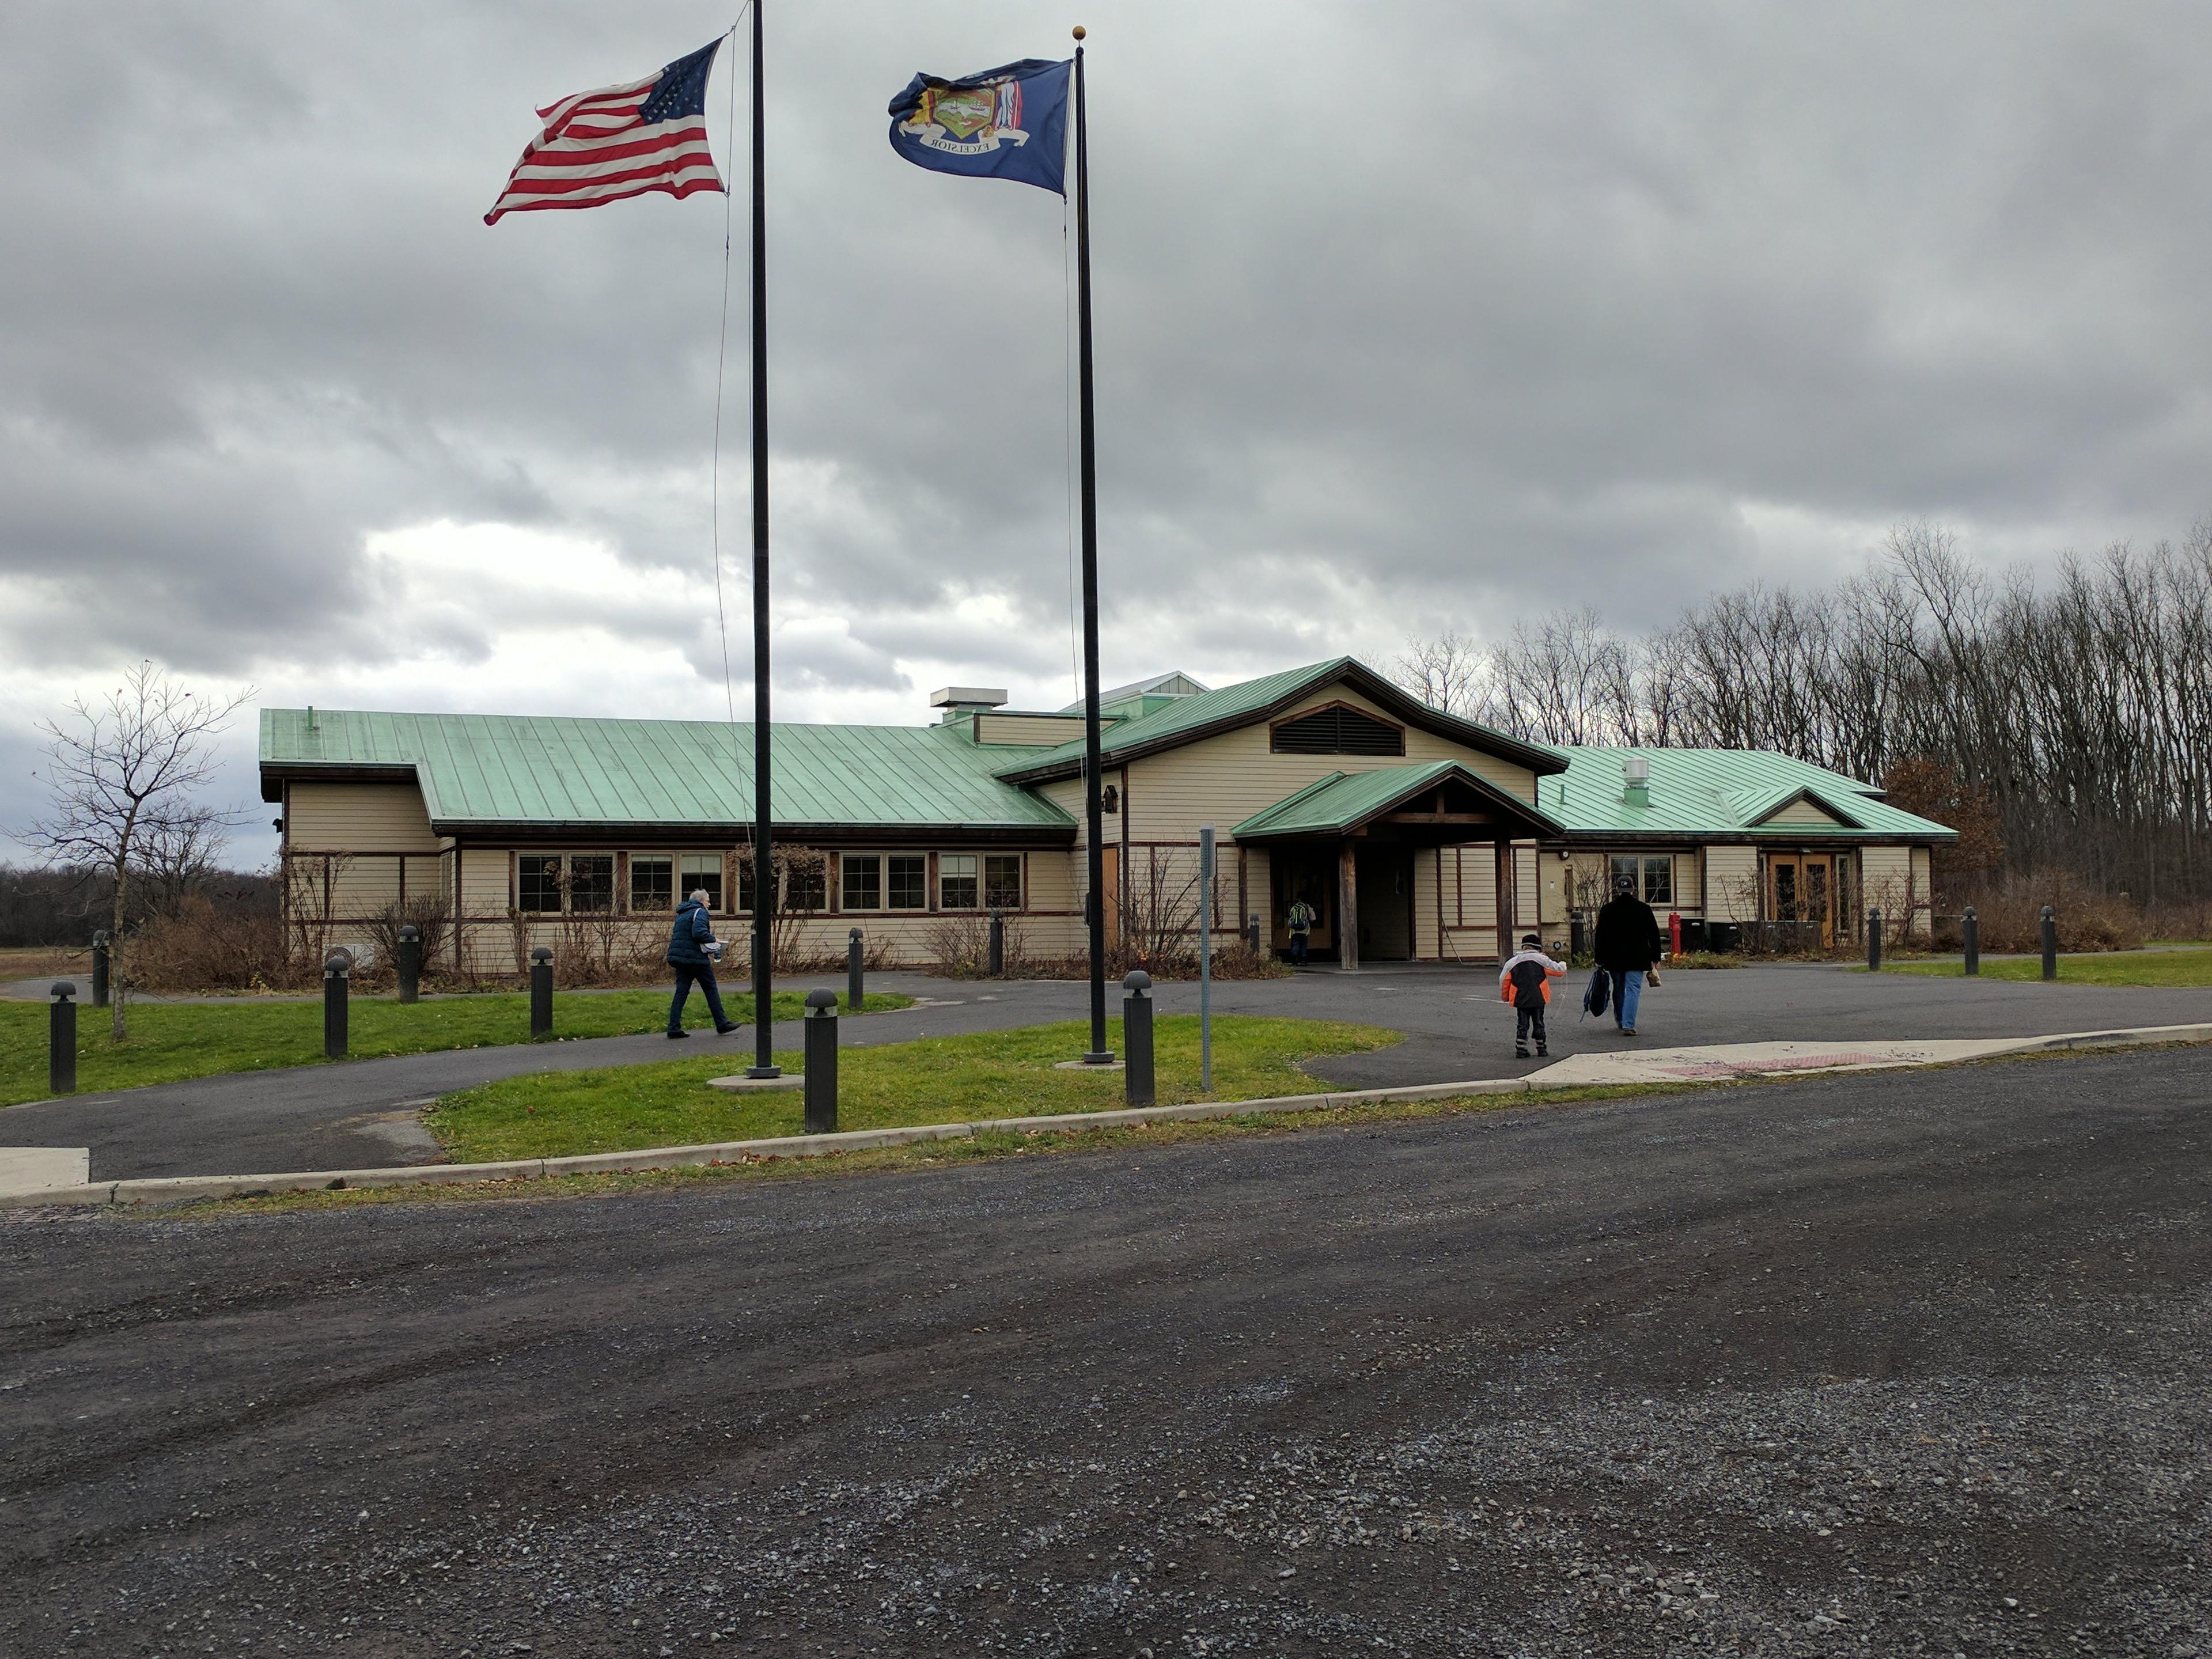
x,y
2065,724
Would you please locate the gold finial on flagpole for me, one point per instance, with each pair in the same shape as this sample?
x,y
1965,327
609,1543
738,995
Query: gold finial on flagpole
x,y
1079,31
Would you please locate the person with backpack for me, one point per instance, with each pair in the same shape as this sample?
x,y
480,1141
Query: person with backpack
x,y
1524,980
1301,918
1627,948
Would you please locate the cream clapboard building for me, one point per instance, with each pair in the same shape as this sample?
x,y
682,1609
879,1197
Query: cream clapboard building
x,y
1414,835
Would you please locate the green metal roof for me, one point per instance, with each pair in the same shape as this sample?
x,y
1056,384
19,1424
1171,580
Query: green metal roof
x,y
1192,716
1720,792
512,768
1341,802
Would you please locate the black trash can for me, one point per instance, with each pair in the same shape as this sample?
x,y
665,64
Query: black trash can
x,y
1725,938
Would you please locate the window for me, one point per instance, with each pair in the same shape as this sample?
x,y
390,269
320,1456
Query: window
x,y
703,870
806,886
1002,881
652,884
864,881
591,881
908,883
538,882
1652,875
956,881
1336,730
745,884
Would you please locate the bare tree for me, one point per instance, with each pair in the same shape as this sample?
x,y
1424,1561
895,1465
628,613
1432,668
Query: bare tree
x,y
1450,671
2071,722
123,775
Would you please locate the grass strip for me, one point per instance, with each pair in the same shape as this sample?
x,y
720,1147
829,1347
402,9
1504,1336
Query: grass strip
x,y
955,1079
2176,969
928,1156
173,1041
982,1148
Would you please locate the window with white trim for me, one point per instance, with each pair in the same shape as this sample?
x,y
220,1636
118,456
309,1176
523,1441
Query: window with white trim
x,y
864,881
956,881
703,870
906,882
652,882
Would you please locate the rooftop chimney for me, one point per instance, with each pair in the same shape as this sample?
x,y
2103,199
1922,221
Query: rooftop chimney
x,y
1636,773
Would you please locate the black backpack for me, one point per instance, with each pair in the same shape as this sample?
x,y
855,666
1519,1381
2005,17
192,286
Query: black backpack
x,y
1599,997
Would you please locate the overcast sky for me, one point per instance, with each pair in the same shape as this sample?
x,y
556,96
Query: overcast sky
x,y
1409,316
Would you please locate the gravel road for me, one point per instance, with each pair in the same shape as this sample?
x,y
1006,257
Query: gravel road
x,y
1894,1364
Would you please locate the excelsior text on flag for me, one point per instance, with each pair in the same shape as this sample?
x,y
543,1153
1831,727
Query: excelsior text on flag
x,y
1007,123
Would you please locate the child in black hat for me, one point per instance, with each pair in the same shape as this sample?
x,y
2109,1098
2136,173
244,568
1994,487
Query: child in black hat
x,y
1525,980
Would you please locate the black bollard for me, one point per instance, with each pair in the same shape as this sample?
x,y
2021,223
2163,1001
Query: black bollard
x,y
821,1062
997,944
1970,931
411,963
856,989
1873,939
61,1040
1252,930
337,967
100,969
541,992
2049,943
1137,1039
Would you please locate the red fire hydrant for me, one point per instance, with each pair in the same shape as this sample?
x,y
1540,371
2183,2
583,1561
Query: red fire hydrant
x,y
1674,932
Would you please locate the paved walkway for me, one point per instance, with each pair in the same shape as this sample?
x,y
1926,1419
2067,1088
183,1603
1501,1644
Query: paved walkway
x,y
364,1113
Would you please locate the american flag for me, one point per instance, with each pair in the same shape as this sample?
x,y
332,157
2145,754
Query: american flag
x,y
620,141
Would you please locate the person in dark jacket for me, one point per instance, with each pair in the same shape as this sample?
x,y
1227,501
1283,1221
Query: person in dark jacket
x,y
692,948
1626,947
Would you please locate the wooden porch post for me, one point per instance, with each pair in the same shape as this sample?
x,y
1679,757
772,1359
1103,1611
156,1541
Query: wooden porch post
x,y
1347,908
1508,900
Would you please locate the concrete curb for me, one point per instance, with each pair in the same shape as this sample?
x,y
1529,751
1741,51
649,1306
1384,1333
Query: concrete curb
x,y
184,1189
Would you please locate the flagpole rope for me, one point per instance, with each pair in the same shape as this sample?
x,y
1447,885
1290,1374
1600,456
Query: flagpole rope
x,y
721,357
1067,435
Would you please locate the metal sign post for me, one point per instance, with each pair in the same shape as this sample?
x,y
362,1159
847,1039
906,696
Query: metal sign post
x,y
1206,959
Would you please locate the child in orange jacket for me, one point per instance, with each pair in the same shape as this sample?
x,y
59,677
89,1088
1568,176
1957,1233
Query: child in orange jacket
x,y
1524,980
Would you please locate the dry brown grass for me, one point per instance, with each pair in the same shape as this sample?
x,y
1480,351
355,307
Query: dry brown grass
x,y
37,961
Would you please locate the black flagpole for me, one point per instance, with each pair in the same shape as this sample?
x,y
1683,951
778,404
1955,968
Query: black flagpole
x,y
763,851
1093,806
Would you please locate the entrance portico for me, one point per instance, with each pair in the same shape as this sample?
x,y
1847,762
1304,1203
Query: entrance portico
x,y
1346,844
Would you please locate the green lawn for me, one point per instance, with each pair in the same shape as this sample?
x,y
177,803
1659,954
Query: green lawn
x,y
2179,968
170,1041
931,1080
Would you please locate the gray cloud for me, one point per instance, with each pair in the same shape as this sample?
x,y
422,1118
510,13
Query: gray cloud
x,y
1408,317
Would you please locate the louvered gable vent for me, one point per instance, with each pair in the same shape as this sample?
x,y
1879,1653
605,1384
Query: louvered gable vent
x,y
1338,730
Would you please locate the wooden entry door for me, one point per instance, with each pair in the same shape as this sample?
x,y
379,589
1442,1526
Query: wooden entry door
x,y
1801,887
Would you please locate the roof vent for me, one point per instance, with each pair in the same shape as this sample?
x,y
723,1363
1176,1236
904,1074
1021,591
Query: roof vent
x,y
1636,773
955,700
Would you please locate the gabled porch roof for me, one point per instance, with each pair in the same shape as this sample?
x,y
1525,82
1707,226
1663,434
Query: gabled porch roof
x,y
1350,803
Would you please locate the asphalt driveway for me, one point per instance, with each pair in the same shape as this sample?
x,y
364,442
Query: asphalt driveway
x,y
1908,1363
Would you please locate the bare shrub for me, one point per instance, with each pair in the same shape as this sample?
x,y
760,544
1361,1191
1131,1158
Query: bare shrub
x,y
960,947
2010,913
198,946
